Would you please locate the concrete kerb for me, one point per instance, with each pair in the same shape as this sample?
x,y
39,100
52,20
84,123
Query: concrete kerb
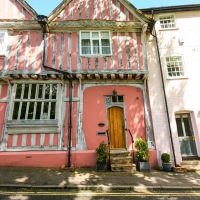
x,y
103,188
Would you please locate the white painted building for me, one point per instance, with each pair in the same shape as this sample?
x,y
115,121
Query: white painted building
x,y
178,31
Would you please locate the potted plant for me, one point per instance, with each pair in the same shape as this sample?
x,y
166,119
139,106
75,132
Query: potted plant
x,y
166,162
102,157
142,156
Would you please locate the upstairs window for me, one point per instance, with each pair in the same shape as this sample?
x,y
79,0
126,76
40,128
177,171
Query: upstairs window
x,y
35,101
2,42
95,43
175,66
167,21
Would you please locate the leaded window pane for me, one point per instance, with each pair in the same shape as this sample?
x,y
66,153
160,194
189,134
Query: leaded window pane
x,y
33,91
18,92
35,101
40,91
53,110
31,110
26,91
16,110
38,110
23,110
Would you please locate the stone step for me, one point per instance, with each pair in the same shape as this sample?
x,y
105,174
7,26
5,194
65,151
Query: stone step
x,y
121,160
191,165
123,167
190,162
179,169
119,152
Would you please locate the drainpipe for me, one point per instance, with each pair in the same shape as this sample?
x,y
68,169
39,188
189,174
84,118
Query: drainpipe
x,y
42,20
70,110
152,24
70,123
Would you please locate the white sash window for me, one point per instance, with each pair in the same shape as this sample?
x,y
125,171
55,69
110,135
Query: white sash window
x,y
95,43
167,21
175,66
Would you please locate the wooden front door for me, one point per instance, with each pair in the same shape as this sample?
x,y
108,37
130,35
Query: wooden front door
x,y
116,127
186,135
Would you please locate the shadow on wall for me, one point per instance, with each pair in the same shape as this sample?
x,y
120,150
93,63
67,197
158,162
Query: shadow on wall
x,y
175,88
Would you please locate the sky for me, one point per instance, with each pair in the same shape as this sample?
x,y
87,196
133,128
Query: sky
x,y
44,7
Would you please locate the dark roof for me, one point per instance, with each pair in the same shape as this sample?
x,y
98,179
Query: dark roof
x,y
167,9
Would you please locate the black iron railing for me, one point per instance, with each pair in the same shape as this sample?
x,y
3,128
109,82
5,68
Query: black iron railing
x,y
109,164
132,140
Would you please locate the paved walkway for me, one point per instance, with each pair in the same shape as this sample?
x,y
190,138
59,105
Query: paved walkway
x,y
90,179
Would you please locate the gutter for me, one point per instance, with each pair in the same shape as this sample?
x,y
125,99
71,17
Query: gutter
x,y
152,25
42,20
169,9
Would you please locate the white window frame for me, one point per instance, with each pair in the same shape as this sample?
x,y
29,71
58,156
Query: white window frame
x,y
33,124
175,72
168,24
3,51
91,44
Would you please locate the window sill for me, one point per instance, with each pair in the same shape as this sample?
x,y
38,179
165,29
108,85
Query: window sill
x,y
95,56
27,123
168,29
2,56
177,78
30,126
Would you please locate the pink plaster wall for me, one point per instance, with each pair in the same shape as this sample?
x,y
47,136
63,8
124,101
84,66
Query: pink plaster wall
x,y
153,158
34,159
11,9
94,112
98,9
3,95
55,158
48,158
74,116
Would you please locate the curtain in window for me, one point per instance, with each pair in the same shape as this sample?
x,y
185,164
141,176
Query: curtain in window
x,y
86,46
95,47
105,46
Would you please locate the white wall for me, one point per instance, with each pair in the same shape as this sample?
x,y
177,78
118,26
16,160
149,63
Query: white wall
x,y
183,94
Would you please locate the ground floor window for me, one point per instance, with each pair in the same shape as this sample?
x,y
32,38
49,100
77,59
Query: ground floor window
x,y
34,102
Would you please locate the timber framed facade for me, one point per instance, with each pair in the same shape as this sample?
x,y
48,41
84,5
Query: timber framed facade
x,y
97,82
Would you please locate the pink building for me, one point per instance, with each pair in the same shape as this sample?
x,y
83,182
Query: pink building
x,y
49,117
